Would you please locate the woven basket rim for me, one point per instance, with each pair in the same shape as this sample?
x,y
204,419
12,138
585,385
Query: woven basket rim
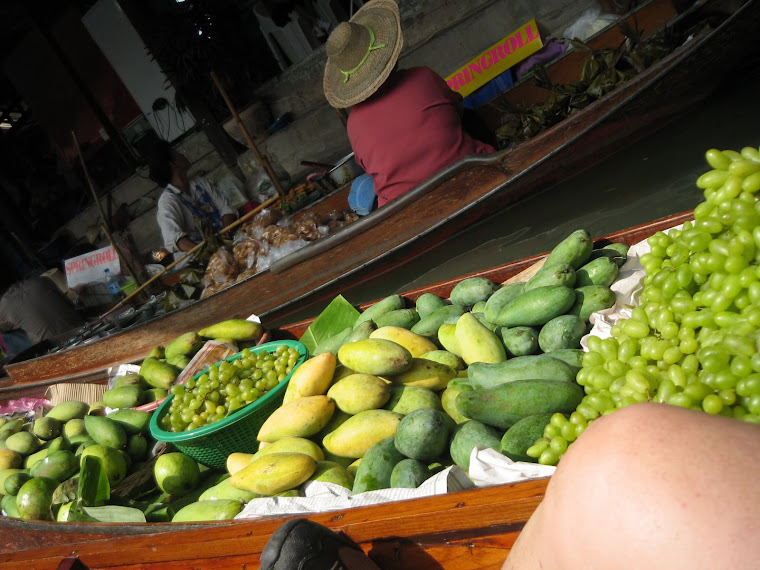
x,y
209,430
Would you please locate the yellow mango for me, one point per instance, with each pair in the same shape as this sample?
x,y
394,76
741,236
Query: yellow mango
x,y
426,373
359,392
376,356
312,378
416,344
236,461
360,432
302,417
274,472
293,445
448,339
477,343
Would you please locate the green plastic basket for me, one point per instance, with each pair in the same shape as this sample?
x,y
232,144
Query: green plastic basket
x,y
212,444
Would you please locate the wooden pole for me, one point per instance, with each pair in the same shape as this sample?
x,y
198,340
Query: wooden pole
x,y
100,209
174,263
262,159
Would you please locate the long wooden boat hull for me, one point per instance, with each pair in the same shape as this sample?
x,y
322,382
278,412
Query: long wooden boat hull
x,y
458,531
437,209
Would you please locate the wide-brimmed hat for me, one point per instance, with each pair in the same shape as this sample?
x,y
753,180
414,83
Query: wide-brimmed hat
x,y
362,52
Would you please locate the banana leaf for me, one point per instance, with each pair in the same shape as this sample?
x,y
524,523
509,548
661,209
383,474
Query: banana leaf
x,y
337,316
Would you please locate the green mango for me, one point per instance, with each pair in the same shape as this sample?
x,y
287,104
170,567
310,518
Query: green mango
x,y
236,329
158,374
123,397
69,410
106,431
59,465
46,428
133,421
184,345
35,499
23,442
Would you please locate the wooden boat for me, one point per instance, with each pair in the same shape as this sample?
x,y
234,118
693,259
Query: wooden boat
x,y
463,530
462,194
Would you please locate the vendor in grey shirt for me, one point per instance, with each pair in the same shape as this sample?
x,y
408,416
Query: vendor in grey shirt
x,y
184,201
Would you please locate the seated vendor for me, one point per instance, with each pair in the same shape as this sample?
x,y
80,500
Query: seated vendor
x,y
404,125
32,311
185,202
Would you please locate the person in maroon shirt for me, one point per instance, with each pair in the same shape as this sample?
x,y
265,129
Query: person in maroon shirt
x,y
404,125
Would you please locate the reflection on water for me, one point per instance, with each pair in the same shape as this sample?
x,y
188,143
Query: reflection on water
x,y
648,180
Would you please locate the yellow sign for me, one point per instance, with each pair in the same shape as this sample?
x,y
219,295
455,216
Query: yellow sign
x,y
495,60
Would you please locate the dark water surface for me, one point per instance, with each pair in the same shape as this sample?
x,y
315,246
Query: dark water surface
x,y
650,179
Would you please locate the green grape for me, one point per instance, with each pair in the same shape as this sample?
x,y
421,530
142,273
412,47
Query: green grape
x,y
691,339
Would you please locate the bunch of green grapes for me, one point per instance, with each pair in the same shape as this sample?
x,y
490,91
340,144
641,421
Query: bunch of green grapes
x,y
693,340
226,387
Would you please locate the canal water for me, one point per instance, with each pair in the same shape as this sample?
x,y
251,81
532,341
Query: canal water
x,y
650,179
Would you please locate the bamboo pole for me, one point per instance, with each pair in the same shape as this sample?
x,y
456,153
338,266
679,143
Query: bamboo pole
x,y
174,263
262,159
104,225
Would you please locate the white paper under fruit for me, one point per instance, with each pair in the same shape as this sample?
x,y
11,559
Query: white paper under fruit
x,y
627,287
487,468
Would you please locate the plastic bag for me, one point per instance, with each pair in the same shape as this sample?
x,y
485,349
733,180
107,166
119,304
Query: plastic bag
x,y
262,188
222,268
589,23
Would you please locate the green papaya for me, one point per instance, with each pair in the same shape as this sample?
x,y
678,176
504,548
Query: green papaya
x,y
591,298
376,466
522,435
541,366
404,318
572,356
361,331
469,434
564,331
409,474
520,341
504,405
574,250
500,299
427,303
429,325
423,434
555,274
471,290
618,252
371,313
599,271
537,306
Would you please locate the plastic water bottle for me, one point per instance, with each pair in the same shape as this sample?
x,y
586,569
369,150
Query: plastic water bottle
x,y
112,282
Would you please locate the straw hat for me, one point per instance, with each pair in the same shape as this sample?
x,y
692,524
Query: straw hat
x,y
362,52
